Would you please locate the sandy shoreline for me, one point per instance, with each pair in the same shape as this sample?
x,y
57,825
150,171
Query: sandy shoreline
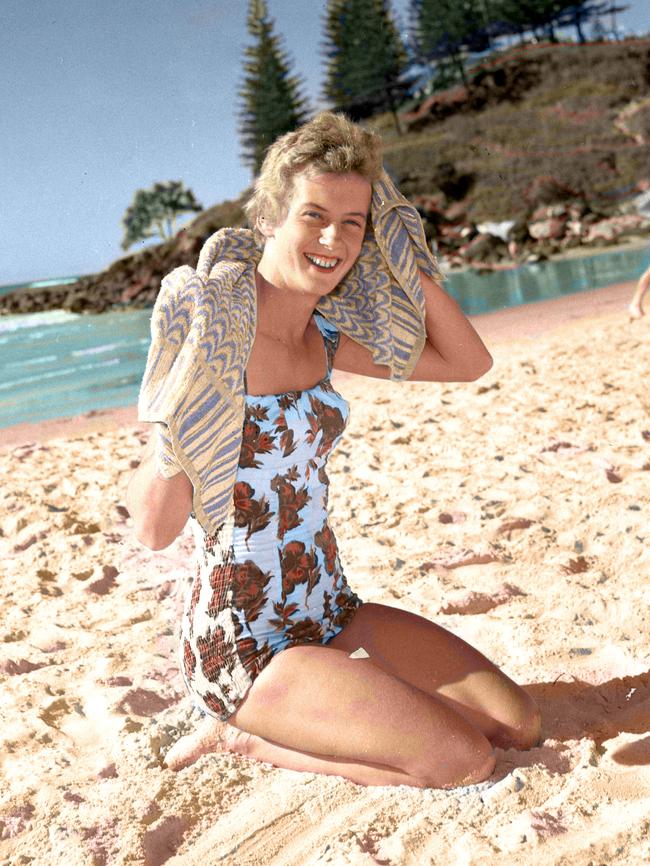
x,y
513,511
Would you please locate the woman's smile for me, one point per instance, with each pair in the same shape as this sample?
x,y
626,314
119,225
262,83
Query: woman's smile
x,y
322,262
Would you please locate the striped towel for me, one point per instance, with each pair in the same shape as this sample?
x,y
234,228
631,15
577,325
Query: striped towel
x,y
203,327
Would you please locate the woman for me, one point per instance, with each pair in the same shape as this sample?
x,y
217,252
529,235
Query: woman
x,y
635,308
287,663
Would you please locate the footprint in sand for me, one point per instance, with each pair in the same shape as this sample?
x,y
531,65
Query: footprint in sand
x,y
161,842
15,820
22,666
482,602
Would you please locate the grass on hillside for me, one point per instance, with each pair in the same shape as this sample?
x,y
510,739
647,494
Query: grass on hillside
x,y
563,125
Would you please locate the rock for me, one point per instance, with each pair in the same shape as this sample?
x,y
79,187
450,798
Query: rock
x,y
574,229
605,231
610,229
577,209
553,228
548,212
642,203
134,279
498,230
484,248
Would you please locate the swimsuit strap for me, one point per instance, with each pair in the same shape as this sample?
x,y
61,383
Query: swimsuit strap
x,y
330,337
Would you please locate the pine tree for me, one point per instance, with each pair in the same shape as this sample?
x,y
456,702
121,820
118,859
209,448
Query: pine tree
x,y
578,14
271,100
444,28
365,57
543,16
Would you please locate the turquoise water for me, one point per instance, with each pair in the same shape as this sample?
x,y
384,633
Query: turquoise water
x,y
530,283
57,364
38,284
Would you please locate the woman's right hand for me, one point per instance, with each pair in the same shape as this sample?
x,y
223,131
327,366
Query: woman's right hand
x,y
159,494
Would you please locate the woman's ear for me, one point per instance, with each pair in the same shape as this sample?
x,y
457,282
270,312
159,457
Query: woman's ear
x,y
264,227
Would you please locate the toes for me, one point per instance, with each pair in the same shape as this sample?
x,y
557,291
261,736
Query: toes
x,y
208,738
180,755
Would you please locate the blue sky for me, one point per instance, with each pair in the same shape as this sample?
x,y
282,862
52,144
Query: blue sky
x,y
102,98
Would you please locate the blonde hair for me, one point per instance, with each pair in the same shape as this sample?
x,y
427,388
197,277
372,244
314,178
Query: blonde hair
x,y
330,143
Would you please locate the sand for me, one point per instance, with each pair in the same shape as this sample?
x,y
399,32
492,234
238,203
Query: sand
x,y
513,511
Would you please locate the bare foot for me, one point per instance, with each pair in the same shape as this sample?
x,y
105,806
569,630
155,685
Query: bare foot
x,y
635,311
210,736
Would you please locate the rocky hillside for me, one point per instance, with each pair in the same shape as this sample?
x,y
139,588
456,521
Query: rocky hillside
x,y
551,140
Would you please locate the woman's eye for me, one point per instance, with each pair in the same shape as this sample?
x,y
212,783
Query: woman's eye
x,y
312,213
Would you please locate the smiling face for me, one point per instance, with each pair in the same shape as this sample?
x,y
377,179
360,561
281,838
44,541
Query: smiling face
x,y
319,240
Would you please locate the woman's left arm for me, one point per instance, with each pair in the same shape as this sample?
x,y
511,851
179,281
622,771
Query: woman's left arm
x,y
453,351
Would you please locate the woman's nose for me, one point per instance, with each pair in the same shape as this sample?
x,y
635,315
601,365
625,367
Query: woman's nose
x,y
329,234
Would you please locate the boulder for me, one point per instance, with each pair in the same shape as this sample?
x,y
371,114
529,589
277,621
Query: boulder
x,y
497,229
601,233
545,212
548,229
608,230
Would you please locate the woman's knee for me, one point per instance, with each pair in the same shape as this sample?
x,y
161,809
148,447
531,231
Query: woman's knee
x,y
471,762
524,727
528,732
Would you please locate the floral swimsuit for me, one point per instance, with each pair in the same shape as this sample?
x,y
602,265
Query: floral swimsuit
x,y
270,578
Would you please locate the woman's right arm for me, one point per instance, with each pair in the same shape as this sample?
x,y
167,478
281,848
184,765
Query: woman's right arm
x,y
158,505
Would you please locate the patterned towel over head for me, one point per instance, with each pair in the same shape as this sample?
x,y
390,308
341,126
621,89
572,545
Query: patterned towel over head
x,y
203,327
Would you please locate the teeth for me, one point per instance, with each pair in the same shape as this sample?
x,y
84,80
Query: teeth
x,y
322,263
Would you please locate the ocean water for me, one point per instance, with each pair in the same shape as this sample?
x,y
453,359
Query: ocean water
x,y
57,364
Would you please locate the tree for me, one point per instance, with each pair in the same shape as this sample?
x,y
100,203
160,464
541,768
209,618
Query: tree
x,y
153,211
546,15
581,13
365,58
536,15
446,28
270,95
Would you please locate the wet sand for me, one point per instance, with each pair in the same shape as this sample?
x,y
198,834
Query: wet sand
x,y
513,511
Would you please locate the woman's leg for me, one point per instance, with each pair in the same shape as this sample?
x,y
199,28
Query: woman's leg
x,y
315,709
636,303
214,736
434,660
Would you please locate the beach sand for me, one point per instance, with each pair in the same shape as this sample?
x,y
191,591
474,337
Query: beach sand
x,y
512,510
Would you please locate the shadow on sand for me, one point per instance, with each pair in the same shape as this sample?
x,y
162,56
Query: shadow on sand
x,y
576,710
